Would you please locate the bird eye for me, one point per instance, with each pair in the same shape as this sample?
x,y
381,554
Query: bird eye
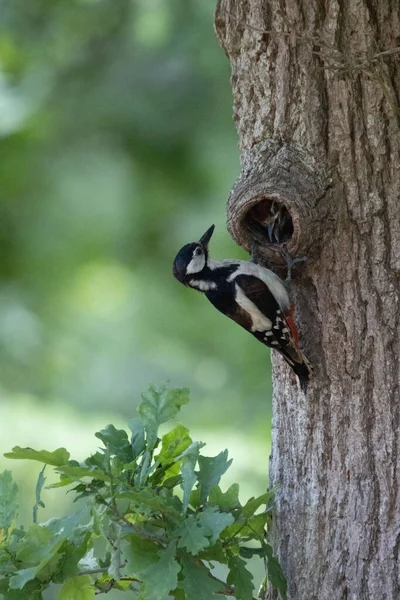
x,y
198,251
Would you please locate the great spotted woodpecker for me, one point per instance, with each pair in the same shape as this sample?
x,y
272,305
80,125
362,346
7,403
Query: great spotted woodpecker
x,y
253,296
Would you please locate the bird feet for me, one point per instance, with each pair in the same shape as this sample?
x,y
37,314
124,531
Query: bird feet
x,y
290,262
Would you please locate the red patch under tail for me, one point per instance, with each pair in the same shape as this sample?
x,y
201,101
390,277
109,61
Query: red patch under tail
x,y
292,325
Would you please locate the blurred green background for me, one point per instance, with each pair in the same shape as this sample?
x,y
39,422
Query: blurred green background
x,y
117,147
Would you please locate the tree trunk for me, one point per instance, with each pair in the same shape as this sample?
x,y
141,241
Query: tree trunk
x,y
316,88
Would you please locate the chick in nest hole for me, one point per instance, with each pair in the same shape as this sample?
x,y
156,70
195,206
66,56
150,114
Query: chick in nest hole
x,y
277,225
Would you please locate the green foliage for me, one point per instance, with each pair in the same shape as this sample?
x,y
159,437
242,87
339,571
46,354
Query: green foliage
x,y
240,577
57,458
77,588
39,486
8,503
150,524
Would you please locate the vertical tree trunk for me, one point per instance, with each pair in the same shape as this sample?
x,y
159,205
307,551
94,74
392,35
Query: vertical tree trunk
x,y
322,79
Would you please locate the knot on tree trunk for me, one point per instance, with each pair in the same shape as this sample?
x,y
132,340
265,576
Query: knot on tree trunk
x,y
279,193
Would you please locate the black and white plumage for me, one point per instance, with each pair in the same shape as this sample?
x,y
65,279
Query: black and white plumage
x,y
251,295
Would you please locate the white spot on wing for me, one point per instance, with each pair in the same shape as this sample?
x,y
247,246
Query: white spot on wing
x,y
259,321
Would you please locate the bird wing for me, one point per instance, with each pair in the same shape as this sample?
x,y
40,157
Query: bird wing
x,y
269,323
272,281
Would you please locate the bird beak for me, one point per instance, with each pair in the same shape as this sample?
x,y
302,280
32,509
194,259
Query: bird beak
x,y
270,229
205,238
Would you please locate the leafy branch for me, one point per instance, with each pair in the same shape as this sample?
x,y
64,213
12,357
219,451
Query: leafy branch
x,y
154,521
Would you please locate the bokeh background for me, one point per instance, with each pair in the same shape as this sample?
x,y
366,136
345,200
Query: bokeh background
x,y
117,147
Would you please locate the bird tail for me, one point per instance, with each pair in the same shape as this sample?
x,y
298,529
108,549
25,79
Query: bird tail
x,y
303,372
302,368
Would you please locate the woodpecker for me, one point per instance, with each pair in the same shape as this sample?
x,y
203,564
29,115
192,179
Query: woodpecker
x,y
249,294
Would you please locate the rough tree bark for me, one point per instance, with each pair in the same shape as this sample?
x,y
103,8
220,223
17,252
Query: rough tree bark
x,y
316,88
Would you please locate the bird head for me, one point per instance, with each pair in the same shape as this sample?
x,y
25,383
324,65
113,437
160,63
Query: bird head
x,y
192,258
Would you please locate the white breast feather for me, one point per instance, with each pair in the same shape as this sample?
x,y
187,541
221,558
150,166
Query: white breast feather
x,y
268,277
202,285
259,321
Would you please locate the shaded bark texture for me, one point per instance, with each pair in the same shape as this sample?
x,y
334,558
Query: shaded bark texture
x,y
320,79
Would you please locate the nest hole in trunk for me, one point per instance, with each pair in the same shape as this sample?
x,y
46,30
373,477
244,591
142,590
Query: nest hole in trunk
x,y
271,220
